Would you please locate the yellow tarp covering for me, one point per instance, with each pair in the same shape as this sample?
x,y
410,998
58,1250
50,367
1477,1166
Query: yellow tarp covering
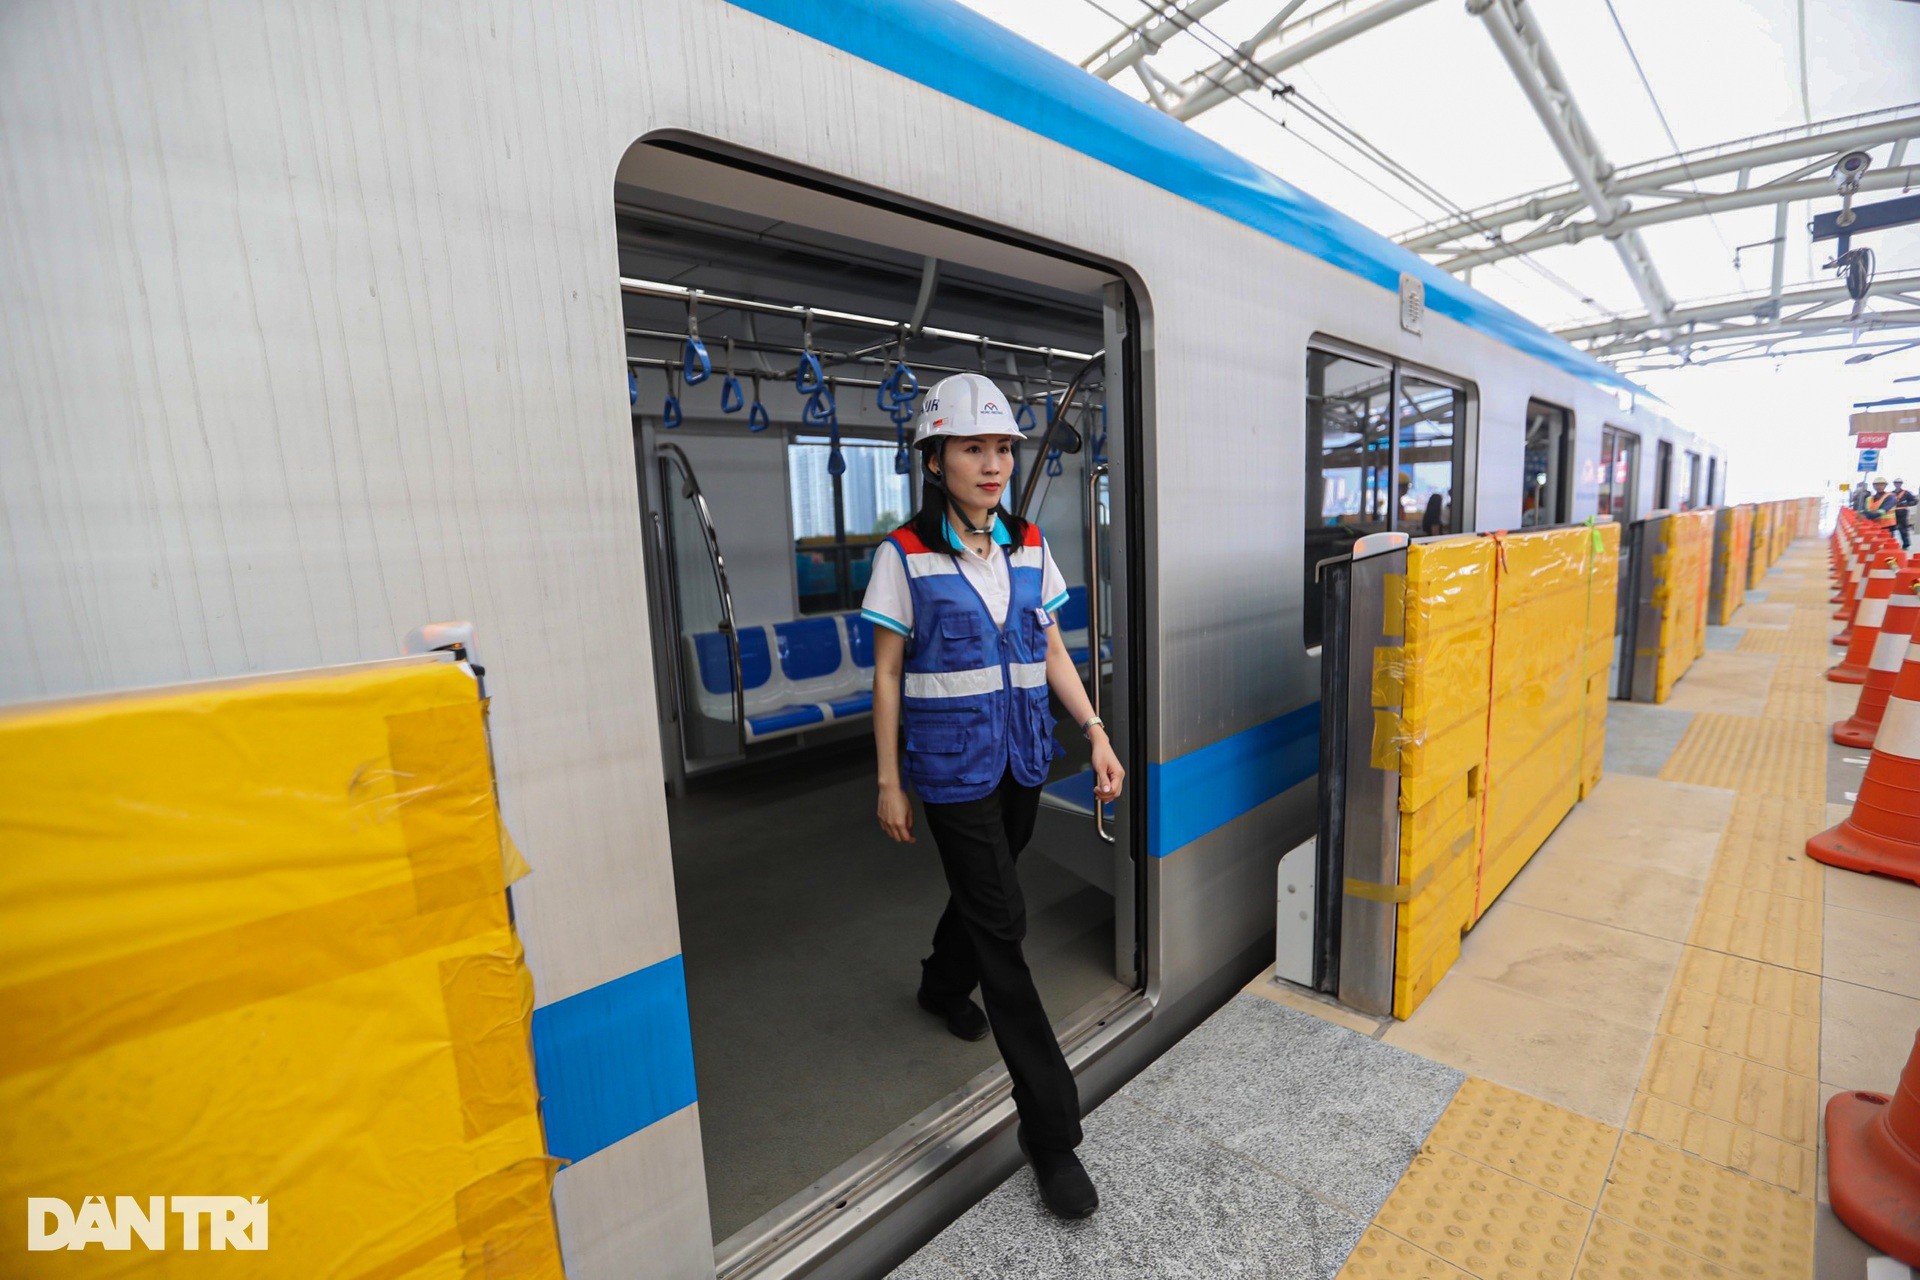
x,y
1438,743
1603,596
1760,557
1502,720
255,942
1682,574
1539,699
1732,550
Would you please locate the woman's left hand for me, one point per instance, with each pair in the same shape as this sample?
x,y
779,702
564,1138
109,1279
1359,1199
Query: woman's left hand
x,y
1107,773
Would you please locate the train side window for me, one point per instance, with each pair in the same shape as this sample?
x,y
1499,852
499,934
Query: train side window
x,y
1713,469
1692,498
839,521
1663,475
1385,450
1546,494
1619,459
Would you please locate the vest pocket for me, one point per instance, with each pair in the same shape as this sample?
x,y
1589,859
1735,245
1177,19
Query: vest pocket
x,y
944,753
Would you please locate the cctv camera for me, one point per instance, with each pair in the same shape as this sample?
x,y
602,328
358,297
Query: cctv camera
x,y
1850,168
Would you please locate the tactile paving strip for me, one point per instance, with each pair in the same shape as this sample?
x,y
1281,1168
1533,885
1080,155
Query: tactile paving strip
x,y
1745,1031
1540,1144
1746,1226
1731,1146
1483,1221
1761,926
1748,753
1765,1099
1381,1254
1797,693
1765,846
1728,977
1615,1251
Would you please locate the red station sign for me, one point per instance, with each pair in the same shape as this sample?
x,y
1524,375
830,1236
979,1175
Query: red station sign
x,y
1871,440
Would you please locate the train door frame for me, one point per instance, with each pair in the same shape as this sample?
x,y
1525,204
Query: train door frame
x,y
1663,474
886,1194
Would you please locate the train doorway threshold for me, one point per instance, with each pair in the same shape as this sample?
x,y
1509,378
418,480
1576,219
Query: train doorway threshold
x,y
1623,1075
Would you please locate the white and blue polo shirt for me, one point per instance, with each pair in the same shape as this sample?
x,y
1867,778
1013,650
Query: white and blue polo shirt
x,y
889,600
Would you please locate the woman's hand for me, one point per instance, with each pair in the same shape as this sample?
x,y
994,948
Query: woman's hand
x,y
896,813
1107,773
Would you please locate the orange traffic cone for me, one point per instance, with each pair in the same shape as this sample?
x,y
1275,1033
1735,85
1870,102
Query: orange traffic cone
x,y
1882,835
1852,669
1873,1163
1883,667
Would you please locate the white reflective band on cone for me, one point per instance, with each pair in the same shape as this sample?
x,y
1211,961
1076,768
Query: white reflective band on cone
x,y
1888,651
1871,613
953,684
1028,675
1899,730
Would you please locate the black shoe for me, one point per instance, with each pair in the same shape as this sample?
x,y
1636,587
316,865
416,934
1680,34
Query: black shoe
x,y
1065,1187
962,1015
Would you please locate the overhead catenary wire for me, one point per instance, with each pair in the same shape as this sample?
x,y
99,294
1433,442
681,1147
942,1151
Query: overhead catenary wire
x,y
1347,135
1667,128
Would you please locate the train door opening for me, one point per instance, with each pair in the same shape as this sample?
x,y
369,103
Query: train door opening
x,y
1546,494
1692,500
1663,476
1713,479
777,332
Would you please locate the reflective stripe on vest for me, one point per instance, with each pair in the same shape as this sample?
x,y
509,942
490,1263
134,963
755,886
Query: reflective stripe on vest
x,y
974,699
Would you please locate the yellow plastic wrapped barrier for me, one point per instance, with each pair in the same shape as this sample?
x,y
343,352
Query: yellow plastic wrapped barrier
x,y
1603,594
1759,559
255,944
1502,722
1538,722
1732,538
1438,744
1681,574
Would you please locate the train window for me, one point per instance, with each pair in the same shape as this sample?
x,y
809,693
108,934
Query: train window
x,y
1692,498
1619,459
1712,477
1546,492
838,521
1385,450
1663,476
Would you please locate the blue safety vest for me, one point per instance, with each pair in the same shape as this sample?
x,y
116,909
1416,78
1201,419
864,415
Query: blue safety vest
x,y
974,701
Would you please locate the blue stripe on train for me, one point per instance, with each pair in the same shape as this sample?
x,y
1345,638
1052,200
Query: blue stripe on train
x,y
1207,788
613,1059
955,51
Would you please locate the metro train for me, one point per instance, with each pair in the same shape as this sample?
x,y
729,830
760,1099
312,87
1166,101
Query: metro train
x,y
594,323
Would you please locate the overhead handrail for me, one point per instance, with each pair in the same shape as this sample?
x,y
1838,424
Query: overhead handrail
x,y
657,289
690,490
1055,425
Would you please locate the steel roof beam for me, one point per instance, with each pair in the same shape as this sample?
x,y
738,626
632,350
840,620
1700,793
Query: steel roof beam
x,y
1677,209
1735,308
1144,37
1832,138
1868,322
1297,41
1524,47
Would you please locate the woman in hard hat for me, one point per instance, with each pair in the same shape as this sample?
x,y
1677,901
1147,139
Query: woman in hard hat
x,y
965,648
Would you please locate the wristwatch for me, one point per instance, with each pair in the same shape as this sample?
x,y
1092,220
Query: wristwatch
x,y
1086,726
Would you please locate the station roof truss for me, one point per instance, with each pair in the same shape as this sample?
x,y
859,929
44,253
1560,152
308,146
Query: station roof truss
x,y
1600,200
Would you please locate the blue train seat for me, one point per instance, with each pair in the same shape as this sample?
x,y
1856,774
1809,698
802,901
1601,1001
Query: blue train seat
x,y
823,673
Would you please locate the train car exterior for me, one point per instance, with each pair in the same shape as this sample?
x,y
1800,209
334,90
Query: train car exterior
x,y
314,325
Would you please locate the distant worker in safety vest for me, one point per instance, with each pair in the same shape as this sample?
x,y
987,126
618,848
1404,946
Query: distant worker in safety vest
x,y
1902,501
965,647
1879,506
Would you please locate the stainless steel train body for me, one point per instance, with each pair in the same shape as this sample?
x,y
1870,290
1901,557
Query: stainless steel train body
x,y
314,328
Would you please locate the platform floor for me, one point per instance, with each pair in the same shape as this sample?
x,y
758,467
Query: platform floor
x,y
1623,1076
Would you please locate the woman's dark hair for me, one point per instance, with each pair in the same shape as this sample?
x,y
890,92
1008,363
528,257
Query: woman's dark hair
x,y
1434,521
929,520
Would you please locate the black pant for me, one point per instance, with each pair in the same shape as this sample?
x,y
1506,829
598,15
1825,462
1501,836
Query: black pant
x,y
978,941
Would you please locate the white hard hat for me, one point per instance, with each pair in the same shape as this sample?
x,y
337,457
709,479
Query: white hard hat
x,y
966,404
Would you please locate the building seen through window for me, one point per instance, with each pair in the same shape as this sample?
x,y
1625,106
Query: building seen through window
x,y
839,521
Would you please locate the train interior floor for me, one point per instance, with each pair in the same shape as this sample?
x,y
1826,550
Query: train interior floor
x,y
803,928
1623,1075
